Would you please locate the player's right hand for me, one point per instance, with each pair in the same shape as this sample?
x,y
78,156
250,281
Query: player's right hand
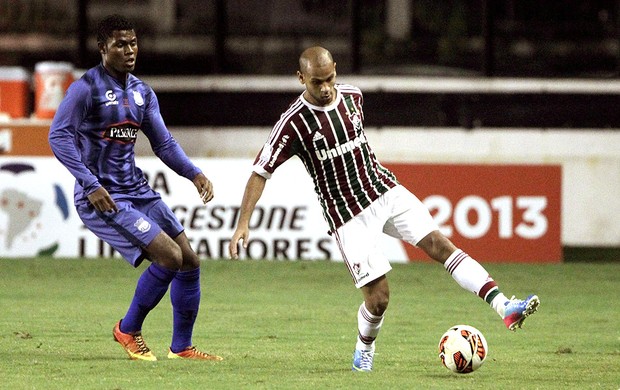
x,y
204,187
240,235
102,201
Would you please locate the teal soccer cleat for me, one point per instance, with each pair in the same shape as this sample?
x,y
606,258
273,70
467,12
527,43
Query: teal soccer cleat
x,y
362,360
518,310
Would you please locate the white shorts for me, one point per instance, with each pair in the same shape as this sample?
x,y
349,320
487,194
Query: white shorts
x,y
397,213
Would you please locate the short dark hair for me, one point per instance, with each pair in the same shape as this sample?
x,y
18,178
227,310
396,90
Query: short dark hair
x,y
112,23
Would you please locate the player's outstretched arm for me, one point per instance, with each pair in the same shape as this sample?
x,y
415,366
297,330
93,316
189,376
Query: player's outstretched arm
x,y
253,191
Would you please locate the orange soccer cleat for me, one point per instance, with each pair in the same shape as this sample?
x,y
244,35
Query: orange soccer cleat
x,y
193,353
133,344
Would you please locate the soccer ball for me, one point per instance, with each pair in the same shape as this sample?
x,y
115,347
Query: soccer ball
x,y
462,349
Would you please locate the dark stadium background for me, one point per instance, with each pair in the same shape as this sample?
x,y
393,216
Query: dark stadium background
x,y
477,38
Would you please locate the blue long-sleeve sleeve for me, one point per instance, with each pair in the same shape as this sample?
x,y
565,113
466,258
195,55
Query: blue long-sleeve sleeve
x,y
95,129
63,135
163,143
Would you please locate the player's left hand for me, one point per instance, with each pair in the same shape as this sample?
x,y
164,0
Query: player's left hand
x,y
204,187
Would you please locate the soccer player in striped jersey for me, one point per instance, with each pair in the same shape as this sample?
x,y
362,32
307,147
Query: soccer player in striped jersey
x,y
360,199
93,135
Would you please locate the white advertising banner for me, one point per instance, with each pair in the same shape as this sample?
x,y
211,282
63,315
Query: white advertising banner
x,y
499,212
36,208
37,216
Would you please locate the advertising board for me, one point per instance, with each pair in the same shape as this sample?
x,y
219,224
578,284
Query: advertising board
x,y
497,213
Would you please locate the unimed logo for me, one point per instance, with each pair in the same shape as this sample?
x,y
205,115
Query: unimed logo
x,y
340,149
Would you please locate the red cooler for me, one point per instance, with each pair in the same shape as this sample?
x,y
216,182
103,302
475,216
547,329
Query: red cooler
x,y
51,81
14,90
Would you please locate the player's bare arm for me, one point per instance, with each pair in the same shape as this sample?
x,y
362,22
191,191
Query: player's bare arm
x,y
253,191
204,187
102,201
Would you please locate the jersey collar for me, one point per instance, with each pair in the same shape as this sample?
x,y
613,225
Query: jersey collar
x,y
323,108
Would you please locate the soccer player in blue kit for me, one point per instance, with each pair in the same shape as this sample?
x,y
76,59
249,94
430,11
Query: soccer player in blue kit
x,y
361,200
93,135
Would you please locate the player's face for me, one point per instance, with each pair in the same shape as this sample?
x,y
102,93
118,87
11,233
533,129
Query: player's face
x,y
319,82
119,53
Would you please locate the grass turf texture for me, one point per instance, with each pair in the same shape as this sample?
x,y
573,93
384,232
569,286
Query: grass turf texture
x,y
286,325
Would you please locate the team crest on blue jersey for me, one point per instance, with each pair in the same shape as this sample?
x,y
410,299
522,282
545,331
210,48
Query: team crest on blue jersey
x,y
138,98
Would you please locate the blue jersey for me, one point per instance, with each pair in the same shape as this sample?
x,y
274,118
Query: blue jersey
x,y
95,128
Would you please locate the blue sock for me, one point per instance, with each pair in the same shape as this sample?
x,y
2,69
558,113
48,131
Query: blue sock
x,y
151,288
185,297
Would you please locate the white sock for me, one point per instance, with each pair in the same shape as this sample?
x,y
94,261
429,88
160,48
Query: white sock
x,y
368,326
499,304
469,274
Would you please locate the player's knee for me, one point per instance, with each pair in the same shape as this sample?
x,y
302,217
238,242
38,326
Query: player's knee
x,y
190,261
176,256
171,257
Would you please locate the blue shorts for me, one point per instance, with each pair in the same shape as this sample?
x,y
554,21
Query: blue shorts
x,y
140,218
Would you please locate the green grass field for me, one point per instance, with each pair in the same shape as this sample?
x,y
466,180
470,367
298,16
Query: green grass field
x,y
287,325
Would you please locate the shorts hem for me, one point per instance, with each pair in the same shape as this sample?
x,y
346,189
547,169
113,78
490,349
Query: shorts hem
x,y
371,278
